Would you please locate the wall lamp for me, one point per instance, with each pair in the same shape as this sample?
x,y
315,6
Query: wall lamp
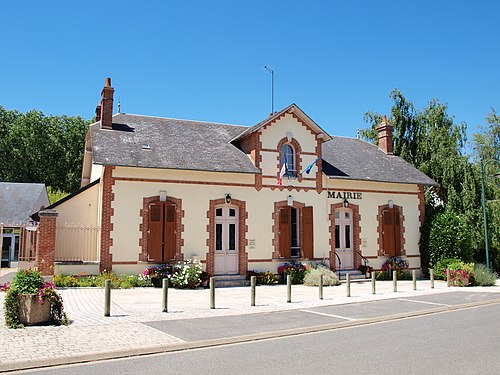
x,y
228,198
345,203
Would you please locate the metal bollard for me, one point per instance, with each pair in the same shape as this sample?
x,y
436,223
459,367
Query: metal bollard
x,y
164,305
414,277
212,292
107,297
448,282
432,278
373,282
288,288
320,286
395,281
253,283
348,284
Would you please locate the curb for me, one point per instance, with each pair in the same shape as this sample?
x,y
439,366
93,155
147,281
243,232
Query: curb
x,y
167,348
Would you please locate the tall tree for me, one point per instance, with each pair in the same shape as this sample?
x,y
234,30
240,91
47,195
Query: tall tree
x,y
431,141
40,148
486,146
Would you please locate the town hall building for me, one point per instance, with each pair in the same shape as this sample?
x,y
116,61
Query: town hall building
x,y
241,198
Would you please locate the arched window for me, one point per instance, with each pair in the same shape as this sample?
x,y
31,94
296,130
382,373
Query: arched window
x,y
288,158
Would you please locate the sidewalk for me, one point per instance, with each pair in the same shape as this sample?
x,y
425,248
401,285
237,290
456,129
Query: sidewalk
x,y
92,336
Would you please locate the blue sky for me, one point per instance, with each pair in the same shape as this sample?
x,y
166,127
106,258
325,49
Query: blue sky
x,y
204,60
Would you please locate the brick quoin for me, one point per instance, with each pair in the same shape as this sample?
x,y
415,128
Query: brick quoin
x,y
47,242
106,262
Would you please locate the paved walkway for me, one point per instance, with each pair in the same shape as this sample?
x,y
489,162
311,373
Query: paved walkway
x,y
92,336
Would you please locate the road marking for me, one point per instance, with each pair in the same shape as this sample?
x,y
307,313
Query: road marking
x,y
426,302
329,315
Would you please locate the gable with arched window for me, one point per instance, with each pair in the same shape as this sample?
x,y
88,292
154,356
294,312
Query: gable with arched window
x,y
289,154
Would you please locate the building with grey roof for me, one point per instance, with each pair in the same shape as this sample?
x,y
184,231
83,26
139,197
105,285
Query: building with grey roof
x,y
239,198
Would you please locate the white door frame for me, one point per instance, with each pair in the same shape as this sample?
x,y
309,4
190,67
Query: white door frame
x,y
345,250
226,253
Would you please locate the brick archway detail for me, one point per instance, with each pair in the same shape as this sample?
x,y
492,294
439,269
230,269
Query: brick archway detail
x,y
356,234
144,227
242,235
298,158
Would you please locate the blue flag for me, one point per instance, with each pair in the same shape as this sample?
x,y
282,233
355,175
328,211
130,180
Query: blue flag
x,y
309,167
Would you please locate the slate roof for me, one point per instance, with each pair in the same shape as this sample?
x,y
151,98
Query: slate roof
x,y
18,201
174,144
354,159
206,146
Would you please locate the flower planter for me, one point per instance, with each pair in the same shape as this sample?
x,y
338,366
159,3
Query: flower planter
x,y
157,282
32,311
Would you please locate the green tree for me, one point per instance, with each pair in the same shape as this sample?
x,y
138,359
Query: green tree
x,y
430,140
486,146
42,148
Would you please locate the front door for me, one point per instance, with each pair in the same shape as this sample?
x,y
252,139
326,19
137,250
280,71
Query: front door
x,y
6,251
226,241
343,239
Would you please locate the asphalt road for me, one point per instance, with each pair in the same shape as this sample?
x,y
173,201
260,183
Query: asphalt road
x,y
460,341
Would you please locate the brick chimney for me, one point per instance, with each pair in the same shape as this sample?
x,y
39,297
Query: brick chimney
x,y
105,108
385,136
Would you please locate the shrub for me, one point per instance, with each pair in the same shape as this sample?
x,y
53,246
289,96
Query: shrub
x,y
441,266
448,238
65,281
295,269
312,277
31,282
483,277
187,275
266,278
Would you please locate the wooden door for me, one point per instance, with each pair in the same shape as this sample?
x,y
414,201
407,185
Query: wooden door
x,y
226,254
308,234
155,239
391,232
284,231
344,239
169,232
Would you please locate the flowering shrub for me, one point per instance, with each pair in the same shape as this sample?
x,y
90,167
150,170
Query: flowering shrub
x,y
295,269
395,264
460,277
182,275
31,282
187,275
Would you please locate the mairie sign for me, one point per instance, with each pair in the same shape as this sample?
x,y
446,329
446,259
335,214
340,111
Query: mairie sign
x,y
344,195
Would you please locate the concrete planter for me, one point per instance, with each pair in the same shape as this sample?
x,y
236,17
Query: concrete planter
x,y
31,311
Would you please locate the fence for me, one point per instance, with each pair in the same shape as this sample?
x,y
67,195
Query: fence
x,y
77,243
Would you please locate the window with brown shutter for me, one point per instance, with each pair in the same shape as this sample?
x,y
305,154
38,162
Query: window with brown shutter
x,y
162,228
284,232
391,232
155,240
308,234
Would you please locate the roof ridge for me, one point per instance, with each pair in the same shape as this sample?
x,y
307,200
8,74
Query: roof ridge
x,y
180,119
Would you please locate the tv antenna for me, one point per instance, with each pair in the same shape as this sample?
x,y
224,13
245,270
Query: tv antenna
x,y
272,87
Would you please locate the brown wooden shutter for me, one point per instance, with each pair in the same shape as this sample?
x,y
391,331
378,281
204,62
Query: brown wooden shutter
x,y
397,233
388,232
284,232
169,234
155,232
308,234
